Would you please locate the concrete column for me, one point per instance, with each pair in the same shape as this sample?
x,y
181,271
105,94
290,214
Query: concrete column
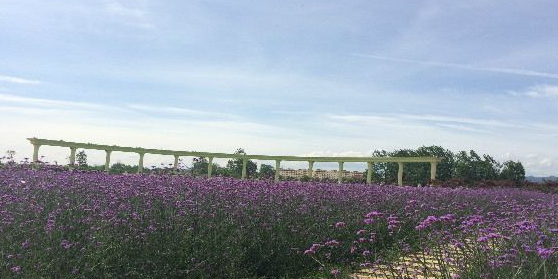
x,y
210,167
400,174
176,162
36,152
72,155
107,160
140,164
433,167
277,169
310,169
340,174
244,162
369,173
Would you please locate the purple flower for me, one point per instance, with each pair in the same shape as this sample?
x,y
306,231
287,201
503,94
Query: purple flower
x,y
373,214
66,244
335,271
332,243
339,224
16,269
545,253
426,223
482,239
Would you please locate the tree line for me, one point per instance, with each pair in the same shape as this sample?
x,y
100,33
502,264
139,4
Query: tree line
x,y
459,168
462,167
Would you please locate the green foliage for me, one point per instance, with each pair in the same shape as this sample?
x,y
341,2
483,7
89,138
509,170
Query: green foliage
x,y
266,172
200,165
305,178
235,166
120,168
469,167
81,158
513,171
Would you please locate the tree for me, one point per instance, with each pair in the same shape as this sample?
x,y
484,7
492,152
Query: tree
x,y
81,158
266,172
444,169
120,168
489,168
200,165
384,172
235,165
513,171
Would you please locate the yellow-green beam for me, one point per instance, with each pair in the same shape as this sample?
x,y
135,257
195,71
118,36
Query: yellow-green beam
x,y
340,173
227,155
369,172
400,174
277,168
140,163
72,155
107,160
210,167
244,162
433,171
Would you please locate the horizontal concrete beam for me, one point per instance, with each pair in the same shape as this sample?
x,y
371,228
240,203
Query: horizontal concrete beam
x,y
61,143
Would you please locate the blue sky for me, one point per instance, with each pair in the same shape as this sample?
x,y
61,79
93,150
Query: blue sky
x,y
283,77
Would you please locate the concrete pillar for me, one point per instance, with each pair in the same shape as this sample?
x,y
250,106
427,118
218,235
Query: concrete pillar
x,y
310,169
140,164
340,174
176,162
400,174
277,169
210,167
244,162
433,167
369,172
107,160
72,156
36,152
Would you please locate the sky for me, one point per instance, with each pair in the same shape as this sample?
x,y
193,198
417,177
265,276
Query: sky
x,y
282,77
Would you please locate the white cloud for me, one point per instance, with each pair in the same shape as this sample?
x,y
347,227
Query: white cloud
x,y
18,80
133,16
27,101
512,71
542,90
181,111
462,120
415,120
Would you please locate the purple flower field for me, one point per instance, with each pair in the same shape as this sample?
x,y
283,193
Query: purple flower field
x,y
56,223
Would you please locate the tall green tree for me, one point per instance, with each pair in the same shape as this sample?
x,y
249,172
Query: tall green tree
x,y
235,166
266,171
445,168
200,165
513,171
81,158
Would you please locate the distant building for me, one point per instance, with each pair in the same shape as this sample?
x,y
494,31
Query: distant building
x,y
320,174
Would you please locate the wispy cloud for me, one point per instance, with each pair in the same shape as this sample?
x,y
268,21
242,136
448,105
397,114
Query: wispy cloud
x,y
19,80
133,16
27,101
511,71
460,120
538,91
181,111
459,123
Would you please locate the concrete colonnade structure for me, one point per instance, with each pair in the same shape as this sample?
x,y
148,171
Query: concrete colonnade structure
x,y
37,143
